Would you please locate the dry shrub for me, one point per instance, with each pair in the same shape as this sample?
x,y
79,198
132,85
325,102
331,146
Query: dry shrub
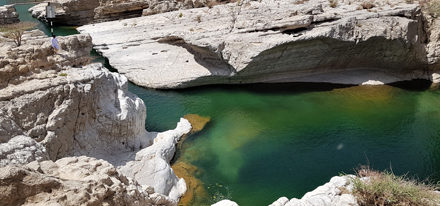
x,y
432,7
367,5
387,189
301,1
333,3
16,31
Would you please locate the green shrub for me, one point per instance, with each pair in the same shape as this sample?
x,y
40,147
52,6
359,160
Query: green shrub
x,y
63,74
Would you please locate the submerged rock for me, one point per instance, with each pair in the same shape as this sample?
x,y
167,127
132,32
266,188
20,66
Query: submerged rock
x,y
8,15
268,41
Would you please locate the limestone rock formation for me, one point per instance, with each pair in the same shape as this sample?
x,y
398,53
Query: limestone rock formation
x,y
35,57
152,164
225,203
329,194
8,15
335,192
53,105
73,181
268,41
21,150
80,12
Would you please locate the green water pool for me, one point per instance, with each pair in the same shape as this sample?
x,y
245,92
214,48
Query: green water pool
x,y
267,141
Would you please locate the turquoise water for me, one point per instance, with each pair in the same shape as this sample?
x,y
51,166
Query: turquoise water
x,y
268,141
264,142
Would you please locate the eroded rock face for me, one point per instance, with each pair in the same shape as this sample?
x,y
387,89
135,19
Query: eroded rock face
x,y
52,106
80,12
73,181
75,111
268,41
152,164
21,150
8,15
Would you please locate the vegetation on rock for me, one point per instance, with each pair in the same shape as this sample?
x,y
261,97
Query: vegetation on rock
x,y
16,31
384,188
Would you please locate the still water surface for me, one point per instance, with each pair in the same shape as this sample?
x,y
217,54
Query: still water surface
x,y
268,141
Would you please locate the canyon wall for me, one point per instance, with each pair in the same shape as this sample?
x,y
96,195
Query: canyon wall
x,y
81,12
55,105
270,41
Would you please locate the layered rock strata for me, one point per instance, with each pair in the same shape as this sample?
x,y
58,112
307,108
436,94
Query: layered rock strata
x,y
268,41
81,12
8,15
55,105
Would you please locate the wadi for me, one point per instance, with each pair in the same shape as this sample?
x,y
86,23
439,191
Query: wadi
x,y
213,102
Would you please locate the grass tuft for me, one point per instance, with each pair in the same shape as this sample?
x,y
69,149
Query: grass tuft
x,y
386,189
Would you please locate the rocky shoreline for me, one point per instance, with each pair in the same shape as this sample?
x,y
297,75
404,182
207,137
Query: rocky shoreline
x,y
56,107
271,41
71,133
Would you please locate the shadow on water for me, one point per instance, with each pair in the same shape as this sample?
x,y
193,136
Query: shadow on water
x,y
413,85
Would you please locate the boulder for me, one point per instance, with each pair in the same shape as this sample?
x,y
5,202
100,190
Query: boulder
x,y
8,15
268,41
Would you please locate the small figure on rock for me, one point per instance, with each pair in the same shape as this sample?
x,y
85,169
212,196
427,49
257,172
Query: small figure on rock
x,y
55,43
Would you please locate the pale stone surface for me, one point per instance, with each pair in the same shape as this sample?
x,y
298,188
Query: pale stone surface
x,y
280,202
80,12
268,41
21,150
72,181
225,203
65,108
328,194
151,166
36,57
8,15
435,78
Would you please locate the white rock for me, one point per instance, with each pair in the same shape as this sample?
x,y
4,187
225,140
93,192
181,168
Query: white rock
x,y
151,166
21,150
280,202
267,41
225,203
73,181
328,194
